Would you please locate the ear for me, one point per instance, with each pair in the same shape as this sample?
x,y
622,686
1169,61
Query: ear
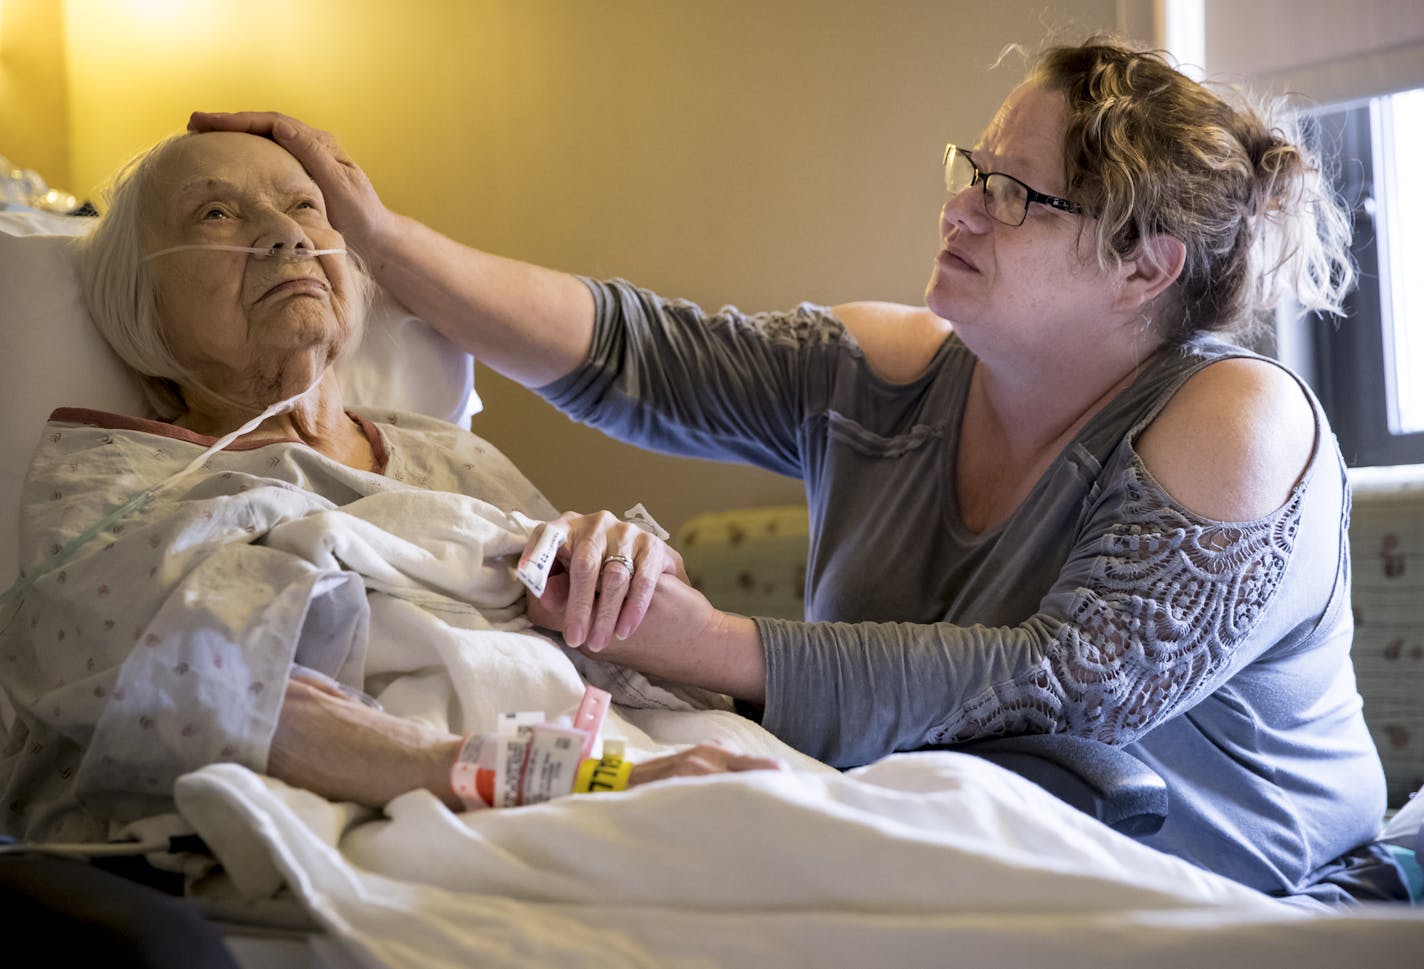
x,y
1155,265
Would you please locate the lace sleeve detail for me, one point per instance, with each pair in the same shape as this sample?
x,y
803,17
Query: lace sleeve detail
x,y
1160,618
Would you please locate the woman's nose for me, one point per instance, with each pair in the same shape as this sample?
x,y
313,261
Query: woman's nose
x,y
279,231
966,209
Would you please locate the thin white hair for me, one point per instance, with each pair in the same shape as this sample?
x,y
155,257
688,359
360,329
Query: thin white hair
x,y
118,289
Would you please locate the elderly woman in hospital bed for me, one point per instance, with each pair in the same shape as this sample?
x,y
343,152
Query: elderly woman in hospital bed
x,y
205,587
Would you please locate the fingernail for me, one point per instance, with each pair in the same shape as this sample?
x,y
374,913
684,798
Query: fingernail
x,y
621,633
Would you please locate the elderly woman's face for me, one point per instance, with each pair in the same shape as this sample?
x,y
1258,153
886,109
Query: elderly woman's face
x,y
249,327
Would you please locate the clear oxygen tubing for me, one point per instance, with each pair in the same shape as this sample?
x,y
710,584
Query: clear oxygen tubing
x,y
272,252
28,577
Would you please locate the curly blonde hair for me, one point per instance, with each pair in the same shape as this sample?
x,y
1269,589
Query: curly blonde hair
x,y
1149,151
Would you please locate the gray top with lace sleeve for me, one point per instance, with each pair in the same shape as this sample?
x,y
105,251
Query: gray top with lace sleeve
x,y
1216,652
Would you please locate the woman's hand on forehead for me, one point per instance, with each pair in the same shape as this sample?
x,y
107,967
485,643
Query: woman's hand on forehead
x,y
352,204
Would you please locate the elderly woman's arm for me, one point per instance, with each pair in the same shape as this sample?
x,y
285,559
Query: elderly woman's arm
x,y
344,750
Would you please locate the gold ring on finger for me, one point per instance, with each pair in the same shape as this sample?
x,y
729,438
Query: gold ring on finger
x,y
618,558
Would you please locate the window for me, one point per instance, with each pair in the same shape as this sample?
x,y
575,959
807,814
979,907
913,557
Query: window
x,y
1368,368
1399,136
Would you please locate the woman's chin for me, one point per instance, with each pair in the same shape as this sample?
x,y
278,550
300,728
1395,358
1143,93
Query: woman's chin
x,y
938,300
285,373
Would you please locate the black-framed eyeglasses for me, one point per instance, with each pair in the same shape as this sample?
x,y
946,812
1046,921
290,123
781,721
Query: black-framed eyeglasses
x,y
1006,199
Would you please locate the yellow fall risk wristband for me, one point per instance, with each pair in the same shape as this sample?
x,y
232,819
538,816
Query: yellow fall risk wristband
x,y
608,774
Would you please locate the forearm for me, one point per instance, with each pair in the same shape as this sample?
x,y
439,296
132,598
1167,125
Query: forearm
x,y
728,659
684,639
531,324
850,693
345,751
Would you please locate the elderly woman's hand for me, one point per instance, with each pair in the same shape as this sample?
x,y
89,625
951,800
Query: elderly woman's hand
x,y
604,580
698,760
352,205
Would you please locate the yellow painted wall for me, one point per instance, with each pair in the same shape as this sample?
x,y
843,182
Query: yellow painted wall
x,y
757,152
34,111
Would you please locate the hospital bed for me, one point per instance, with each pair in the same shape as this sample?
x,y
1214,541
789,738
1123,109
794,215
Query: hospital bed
x,y
917,860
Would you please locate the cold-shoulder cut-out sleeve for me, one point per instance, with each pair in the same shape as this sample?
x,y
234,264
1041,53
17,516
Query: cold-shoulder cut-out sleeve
x,y
1152,611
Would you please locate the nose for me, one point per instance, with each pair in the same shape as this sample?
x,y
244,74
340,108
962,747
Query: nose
x,y
966,209
281,234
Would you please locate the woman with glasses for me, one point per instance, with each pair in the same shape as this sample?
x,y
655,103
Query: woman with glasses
x,y
1055,499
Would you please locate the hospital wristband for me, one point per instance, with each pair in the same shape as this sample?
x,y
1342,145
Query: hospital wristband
x,y
534,777
528,762
607,774
472,784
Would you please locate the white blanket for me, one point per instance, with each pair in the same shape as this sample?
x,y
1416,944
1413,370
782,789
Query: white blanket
x,y
927,859
922,859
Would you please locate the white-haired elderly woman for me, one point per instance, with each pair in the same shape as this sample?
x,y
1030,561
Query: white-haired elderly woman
x,y
174,632
1051,500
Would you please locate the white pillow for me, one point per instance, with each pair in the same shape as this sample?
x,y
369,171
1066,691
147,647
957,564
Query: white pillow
x,y
51,356
405,364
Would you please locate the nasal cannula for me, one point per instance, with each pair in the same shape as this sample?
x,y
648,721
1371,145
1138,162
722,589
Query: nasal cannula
x,y
273,252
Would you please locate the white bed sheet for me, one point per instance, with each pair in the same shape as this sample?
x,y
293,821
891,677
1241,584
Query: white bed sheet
x,y
926,859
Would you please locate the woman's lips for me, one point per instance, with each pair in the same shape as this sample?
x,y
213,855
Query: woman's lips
x,y
300,286
954,260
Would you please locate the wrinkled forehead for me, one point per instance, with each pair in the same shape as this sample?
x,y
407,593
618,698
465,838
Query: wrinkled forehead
x,y
1025,138
221,161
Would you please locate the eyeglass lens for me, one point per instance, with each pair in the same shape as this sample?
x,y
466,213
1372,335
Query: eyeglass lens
x,y
1004,199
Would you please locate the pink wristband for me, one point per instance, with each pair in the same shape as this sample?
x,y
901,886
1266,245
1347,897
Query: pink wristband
x,y
526,763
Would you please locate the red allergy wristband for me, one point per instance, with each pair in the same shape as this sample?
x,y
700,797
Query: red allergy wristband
x,y
473,783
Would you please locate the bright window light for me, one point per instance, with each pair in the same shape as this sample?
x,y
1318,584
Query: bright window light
x,y
1399,193
1183,27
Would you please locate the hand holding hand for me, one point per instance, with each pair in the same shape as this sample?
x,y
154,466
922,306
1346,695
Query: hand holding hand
x,y
353,207
604,581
